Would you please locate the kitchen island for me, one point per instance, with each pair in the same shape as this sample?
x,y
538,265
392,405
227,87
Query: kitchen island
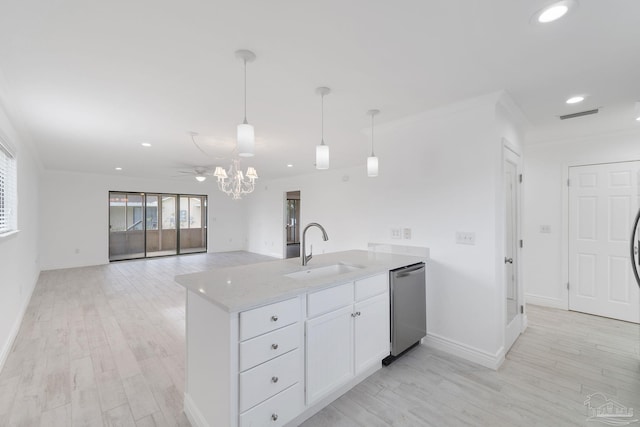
x,y
273,343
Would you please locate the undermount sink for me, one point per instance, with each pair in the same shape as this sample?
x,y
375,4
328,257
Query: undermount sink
x,y
328,270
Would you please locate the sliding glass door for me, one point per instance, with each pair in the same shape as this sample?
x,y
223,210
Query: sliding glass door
x,y
162,233
193,232
126,226
149,225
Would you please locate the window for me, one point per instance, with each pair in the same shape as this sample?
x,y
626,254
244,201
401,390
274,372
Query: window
x,y
8,190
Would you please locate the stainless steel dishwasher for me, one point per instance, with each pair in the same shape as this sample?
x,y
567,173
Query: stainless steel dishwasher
x,y
408,308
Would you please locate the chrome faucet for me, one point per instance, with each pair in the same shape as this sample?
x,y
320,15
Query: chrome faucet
x,y
304,256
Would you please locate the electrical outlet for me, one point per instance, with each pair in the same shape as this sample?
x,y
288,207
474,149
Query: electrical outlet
x,y
406,233
465,238
546,229
396,233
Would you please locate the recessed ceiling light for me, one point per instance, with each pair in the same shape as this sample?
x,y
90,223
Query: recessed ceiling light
x,y
554,11
289,165
146,144
118,168
575,99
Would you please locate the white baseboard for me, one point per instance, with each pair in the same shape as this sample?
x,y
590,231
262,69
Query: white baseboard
x,y
545,301
472,354
6,348
193,414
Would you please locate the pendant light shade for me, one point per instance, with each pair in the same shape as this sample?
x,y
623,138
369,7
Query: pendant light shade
x,y
372,166
322,156
245,143
372,160
246,140
322,150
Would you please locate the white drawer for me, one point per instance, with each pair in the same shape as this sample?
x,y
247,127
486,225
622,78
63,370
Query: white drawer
x,y
329,299
265,347
268,318
263,381
277,411
372,286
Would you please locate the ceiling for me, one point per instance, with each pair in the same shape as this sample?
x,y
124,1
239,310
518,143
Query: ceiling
x,y
87,82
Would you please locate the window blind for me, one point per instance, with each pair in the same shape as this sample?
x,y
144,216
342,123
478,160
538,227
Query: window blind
x,y
8,191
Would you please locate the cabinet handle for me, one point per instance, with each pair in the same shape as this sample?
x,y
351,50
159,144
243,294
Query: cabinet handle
x,y
274,379
274,417
353,314
357,313
274,318
274,346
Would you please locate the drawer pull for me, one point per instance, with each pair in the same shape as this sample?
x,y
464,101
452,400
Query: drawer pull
x,y
274,417
274,346
274,379
353,315
358,313
274,318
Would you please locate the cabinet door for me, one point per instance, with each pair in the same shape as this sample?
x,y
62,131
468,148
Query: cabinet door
x,y
372,331
329,343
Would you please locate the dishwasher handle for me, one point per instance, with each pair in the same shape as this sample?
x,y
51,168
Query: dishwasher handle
x,y
407,271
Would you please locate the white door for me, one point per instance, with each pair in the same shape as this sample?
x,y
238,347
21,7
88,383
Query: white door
x,y
603,200
371,331
513,294
329,343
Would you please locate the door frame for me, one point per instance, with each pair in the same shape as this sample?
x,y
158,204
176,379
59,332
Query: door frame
x,y
509,149
564,253
284,221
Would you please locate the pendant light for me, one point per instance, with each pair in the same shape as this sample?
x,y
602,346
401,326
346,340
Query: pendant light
x,y
322,150
372,160
246,135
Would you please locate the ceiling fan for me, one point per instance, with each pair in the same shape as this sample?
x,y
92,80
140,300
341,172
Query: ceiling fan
x,y
200,173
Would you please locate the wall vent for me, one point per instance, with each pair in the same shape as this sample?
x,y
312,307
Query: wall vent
x,y
580,114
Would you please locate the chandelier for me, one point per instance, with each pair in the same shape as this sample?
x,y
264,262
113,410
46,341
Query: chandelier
x,y
233,182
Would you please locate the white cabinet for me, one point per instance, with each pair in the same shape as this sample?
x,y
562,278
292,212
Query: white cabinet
x,y
276,411
371,331
255,367
349,340
268,318
270,363
329,344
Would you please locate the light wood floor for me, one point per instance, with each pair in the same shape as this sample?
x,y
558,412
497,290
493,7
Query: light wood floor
x,y
104,345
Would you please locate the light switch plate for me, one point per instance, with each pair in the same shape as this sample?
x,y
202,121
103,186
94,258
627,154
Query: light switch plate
x,y
465,238
396,233
406,233
545,229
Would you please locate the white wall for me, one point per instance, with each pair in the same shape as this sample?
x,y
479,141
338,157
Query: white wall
x,y
19,267
440,172
546,172
75,215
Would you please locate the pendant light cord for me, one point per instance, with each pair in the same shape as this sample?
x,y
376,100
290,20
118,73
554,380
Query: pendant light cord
x,y
245,92
372,155
322,121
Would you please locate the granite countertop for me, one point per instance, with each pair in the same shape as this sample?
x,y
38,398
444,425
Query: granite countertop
x,y
244,287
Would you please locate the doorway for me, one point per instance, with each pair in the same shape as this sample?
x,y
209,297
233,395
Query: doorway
x,y
603,200
514,305
292,224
